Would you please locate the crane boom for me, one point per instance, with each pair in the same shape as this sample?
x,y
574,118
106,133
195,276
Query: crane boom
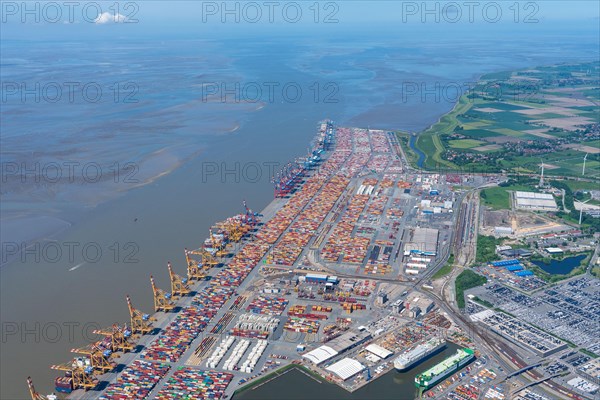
x,y
162,299
179,285
140,323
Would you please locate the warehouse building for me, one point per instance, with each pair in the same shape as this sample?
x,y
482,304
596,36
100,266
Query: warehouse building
x,y
423,241
337,346
346,368
320,354
379,351
535,201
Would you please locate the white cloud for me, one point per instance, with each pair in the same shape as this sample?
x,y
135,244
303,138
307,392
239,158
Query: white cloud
x,y
108,18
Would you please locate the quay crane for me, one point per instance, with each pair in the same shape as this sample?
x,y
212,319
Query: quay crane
x,y
35,395
179,285
119,338
234,229
140,323
216,243
162,299
199,270
250,216
81,376
99,357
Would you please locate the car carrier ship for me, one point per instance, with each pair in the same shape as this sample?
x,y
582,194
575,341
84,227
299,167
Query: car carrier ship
x,y
429,378
420,353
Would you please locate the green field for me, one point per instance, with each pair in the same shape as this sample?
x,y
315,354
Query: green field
x,y
498,198
479,133
465,143
581,185
467,280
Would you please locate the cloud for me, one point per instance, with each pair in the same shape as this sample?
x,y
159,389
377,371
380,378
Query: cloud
x,y
108,18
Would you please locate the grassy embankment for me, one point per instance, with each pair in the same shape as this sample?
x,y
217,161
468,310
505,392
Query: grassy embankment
x,y
429,141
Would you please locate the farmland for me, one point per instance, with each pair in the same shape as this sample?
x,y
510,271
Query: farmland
x,y
513,121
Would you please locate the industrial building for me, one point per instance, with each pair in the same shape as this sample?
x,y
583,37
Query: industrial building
x,y
320,354
337,346
346,368
423,241
398,306
591,370
503,230
516,253
381,298
418,306
535,201
379,351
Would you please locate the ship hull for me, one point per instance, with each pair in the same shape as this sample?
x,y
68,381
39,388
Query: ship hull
x,y
425,385
405,367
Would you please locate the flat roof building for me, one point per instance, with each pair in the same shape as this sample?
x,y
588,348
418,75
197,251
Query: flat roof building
x,y
535,201
320,354
379,351
424,240
346,368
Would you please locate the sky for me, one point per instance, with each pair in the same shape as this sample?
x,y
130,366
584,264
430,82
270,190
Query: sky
x,y
97,19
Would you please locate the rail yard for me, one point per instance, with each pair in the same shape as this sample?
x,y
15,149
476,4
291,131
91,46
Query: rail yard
x,y
329,276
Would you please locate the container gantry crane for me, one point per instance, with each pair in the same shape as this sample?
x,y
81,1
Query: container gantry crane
x,y
82,376
218,244
179,285
162,299
235,227
99,357
250,216
140,322
35,395
199,270
119,338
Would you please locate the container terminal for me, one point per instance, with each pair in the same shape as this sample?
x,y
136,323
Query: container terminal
x,y
329,276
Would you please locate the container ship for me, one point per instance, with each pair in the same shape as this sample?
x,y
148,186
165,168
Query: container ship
x,y
429,378
422,352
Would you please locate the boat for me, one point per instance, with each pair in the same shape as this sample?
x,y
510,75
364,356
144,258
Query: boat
x,y
429,378
420,353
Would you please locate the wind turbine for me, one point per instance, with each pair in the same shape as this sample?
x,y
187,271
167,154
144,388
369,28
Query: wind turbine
x,y
542,176
583,170
581,208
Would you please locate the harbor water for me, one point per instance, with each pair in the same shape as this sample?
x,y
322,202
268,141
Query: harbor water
x,y
394,385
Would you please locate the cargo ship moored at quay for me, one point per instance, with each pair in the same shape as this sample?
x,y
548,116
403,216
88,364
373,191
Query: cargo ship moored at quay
x,y
450,365
419,354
